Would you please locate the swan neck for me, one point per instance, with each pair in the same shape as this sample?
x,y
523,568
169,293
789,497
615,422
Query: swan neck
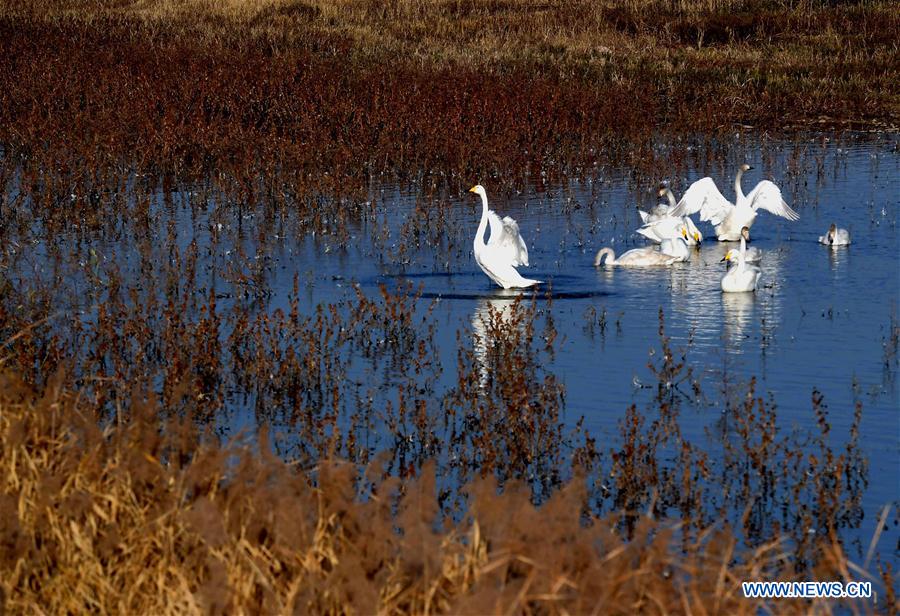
x,y
671,197
604,252
737,185
482,226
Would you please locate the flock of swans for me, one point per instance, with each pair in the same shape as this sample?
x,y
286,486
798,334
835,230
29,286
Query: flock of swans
x,y
668,225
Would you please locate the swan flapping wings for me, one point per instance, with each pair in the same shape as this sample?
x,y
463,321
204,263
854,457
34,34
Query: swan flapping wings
x,y
657,213
667,227
505,239
703,196
767,196
499,257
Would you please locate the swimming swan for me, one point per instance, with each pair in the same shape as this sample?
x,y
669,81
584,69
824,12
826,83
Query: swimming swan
x,y
504,251
835,237
703,196
742,277
660,224
636,257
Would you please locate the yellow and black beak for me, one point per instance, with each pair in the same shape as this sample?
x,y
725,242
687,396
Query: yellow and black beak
x,y
697,237
725,258
471,190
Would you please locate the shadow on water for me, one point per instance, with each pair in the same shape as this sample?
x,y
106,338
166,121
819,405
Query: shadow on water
x,y
474,285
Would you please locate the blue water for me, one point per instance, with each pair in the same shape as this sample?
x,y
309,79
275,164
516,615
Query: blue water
x,y
821,320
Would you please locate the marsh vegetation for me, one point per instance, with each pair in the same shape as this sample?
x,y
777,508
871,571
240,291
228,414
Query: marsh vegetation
x,y
248,362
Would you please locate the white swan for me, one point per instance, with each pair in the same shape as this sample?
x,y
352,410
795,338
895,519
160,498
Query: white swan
x,y
662,209
703,196
752,254
742,277
835,237
492,316
636,257
675,247
660,224
504,251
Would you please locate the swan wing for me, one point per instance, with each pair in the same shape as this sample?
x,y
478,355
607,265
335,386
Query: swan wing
x,y
662,228
495,225
649,232
494,263
669,227
703,196
767,196
506,241
661,209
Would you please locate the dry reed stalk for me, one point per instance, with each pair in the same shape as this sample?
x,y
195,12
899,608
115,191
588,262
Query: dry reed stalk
x,y
134,519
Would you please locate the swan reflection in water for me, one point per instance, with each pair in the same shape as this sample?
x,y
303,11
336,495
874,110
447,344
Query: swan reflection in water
x,y
490,321
737,316
838,257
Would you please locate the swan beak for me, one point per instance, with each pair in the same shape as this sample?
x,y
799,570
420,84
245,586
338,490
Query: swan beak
x,y
697,238
471,190
725,258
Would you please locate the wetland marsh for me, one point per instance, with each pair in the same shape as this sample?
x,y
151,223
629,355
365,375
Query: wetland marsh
x,y
237,290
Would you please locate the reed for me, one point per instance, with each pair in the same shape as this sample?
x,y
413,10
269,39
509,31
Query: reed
x,y
343,91
131,518
126,345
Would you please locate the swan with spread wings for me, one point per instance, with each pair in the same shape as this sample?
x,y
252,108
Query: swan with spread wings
x,y
729,218
660,225
504,251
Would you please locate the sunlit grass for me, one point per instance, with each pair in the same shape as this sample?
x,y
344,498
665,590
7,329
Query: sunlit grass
x,y
131,518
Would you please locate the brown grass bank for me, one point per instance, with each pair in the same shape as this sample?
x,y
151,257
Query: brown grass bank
x,y
129,518
470,87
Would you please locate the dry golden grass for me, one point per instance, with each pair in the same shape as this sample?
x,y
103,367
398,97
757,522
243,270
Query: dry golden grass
x,y
578,37
484,32
144,518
